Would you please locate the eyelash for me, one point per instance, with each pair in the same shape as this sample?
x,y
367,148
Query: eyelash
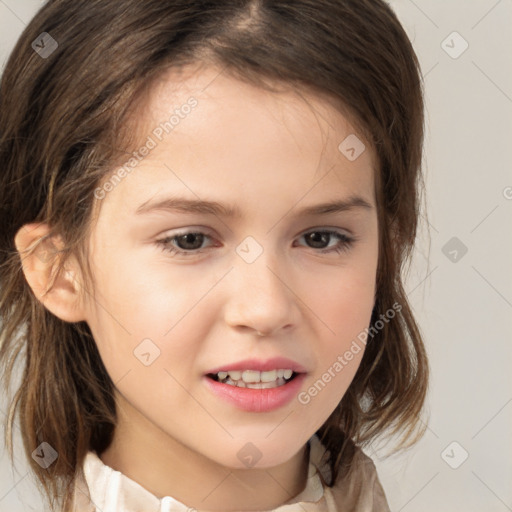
x,y
345,244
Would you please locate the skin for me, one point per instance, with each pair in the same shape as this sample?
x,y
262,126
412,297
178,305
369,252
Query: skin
x,y
275,153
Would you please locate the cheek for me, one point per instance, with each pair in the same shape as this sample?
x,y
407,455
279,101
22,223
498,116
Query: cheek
x,y
343,299
145,315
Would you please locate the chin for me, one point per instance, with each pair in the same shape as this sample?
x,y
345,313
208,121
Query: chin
x,y
257,454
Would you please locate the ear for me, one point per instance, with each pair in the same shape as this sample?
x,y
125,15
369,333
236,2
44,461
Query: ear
x,y
60,294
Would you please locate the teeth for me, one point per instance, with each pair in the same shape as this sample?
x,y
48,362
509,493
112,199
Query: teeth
x,y
250,376
256,385
270,376
254,376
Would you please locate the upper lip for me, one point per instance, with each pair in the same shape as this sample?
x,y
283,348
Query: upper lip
x,y
275,363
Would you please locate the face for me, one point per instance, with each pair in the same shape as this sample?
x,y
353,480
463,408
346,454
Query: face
x,y
183,289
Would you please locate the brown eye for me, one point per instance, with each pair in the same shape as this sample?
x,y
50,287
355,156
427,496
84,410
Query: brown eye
x,y
190,241
320,240
184,243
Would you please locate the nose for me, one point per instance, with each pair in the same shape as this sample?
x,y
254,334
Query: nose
x,y
261,299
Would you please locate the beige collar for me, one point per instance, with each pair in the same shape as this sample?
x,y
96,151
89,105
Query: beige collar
x,y
112,491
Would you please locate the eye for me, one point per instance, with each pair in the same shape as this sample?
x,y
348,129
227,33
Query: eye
x,y
319,238
191,242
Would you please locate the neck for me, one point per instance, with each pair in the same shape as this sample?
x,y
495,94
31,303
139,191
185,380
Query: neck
x,y
166,467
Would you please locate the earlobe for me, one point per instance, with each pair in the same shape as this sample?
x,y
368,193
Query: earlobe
x,y
40,256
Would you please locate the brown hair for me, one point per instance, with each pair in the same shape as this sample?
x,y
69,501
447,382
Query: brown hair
x,y
61,129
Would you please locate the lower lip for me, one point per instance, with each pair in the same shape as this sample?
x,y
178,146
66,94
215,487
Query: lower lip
x,y
257,400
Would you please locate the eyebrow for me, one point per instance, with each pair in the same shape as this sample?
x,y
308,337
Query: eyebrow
x,y
182,205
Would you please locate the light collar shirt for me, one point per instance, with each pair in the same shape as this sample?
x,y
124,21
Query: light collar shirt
x,y
102,489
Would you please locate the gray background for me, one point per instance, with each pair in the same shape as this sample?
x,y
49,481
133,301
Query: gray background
x,y
464,307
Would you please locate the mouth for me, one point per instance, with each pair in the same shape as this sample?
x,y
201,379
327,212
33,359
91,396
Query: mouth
x,y
267,391
257,385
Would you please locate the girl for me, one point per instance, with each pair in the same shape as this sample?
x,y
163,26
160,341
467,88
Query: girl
x,y
205,209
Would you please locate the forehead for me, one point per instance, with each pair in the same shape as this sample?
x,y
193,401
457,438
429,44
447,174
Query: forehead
x,y
229,103
240,137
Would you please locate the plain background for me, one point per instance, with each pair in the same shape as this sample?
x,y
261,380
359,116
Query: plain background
x,y
463,300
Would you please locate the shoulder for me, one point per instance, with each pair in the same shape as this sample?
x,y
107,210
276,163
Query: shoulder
x,y
360,490
356,490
